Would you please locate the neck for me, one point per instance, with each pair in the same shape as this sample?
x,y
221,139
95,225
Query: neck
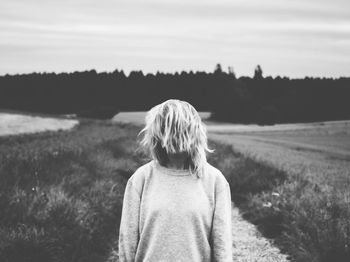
x,y
177,161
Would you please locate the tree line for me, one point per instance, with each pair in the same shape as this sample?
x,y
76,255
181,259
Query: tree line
x,y
257,99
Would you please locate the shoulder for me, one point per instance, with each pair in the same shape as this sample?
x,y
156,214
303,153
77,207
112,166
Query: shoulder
x,y
217,177
141,171
138,178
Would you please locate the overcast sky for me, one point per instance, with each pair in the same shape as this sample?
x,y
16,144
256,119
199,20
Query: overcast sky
x,y
291,38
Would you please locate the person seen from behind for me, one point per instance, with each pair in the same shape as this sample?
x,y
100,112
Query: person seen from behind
x,y
176,207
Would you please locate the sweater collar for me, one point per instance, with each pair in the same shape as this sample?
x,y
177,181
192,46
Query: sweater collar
x,y
171,171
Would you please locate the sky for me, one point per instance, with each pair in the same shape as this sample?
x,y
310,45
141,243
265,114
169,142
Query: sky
x,y
294,38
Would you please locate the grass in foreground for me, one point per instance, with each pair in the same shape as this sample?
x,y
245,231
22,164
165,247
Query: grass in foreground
x,y
308,221
61,192
61,196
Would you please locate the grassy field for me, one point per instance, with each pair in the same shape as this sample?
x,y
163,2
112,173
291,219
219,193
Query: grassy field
x,y
61,193
320,152
138,117
308,213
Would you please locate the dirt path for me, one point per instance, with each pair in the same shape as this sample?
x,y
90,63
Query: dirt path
x,y
249,245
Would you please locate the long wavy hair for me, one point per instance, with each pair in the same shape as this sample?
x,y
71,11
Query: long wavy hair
x,y
172,127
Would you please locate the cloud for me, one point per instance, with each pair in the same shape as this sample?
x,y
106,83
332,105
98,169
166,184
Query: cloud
x,y
173,35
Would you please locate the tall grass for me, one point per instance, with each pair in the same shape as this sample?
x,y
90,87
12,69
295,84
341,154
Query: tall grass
x,y
61,193
310,222
61,197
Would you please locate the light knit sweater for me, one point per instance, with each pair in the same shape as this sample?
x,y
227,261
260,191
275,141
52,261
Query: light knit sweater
x,y
170,215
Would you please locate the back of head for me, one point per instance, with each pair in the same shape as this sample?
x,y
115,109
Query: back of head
x,y
173,127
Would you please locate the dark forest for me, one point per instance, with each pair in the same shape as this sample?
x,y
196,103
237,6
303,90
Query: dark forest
x,y
257,99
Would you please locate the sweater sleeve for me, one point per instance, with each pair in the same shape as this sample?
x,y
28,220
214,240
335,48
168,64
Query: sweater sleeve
x,y
129,224
221,235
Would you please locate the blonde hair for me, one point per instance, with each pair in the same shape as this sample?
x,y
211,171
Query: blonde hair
x,y
175,126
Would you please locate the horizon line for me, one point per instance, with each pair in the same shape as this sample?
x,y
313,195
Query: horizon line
x,y
127,74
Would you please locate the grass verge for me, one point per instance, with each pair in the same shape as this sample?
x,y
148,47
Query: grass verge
x,y
308,221
61,192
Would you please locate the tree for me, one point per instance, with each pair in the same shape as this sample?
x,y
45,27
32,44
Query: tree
x,y
218,69
231,72
258,73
